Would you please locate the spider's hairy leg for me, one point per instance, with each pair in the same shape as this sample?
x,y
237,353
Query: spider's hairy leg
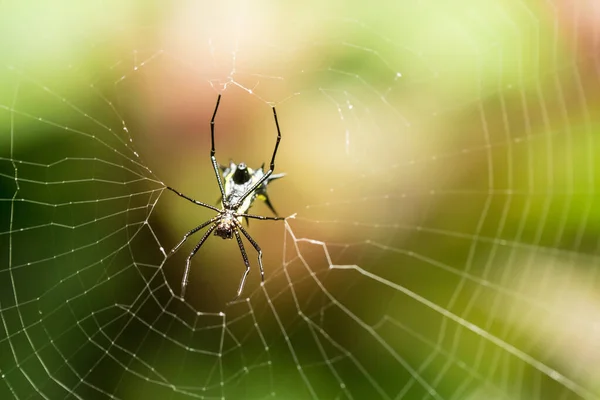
x,y
256,247
186,273
213,159
199,203
261,217
191,232
246,262
271,167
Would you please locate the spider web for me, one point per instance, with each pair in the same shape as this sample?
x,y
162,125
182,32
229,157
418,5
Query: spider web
x,y
441,239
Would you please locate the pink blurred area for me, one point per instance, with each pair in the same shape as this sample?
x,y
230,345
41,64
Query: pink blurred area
x,y
580,20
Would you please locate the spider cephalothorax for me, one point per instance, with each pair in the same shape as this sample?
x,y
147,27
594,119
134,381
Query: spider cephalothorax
x,y
242,186
225,226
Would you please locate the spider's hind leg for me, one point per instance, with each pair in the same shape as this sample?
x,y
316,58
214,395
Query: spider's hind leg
x,y
246,262
190,233
186,273
256,247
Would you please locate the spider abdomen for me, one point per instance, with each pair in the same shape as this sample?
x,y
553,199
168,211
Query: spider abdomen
x,y
238,179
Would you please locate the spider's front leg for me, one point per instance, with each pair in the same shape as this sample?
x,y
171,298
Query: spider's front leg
x,y
213,159
268,173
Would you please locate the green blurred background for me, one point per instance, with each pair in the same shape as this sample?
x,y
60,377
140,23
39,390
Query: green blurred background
x,y
441,164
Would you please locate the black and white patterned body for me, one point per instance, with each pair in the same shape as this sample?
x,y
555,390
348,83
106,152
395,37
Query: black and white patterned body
x,y
238,179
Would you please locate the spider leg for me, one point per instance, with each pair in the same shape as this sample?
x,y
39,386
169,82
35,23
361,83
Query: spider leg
x,y
199,203
271,167
246,262
190,233
256,247
261,217
212,149
186,273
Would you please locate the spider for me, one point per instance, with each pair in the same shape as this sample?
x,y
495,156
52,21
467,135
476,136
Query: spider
x,y
242,186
